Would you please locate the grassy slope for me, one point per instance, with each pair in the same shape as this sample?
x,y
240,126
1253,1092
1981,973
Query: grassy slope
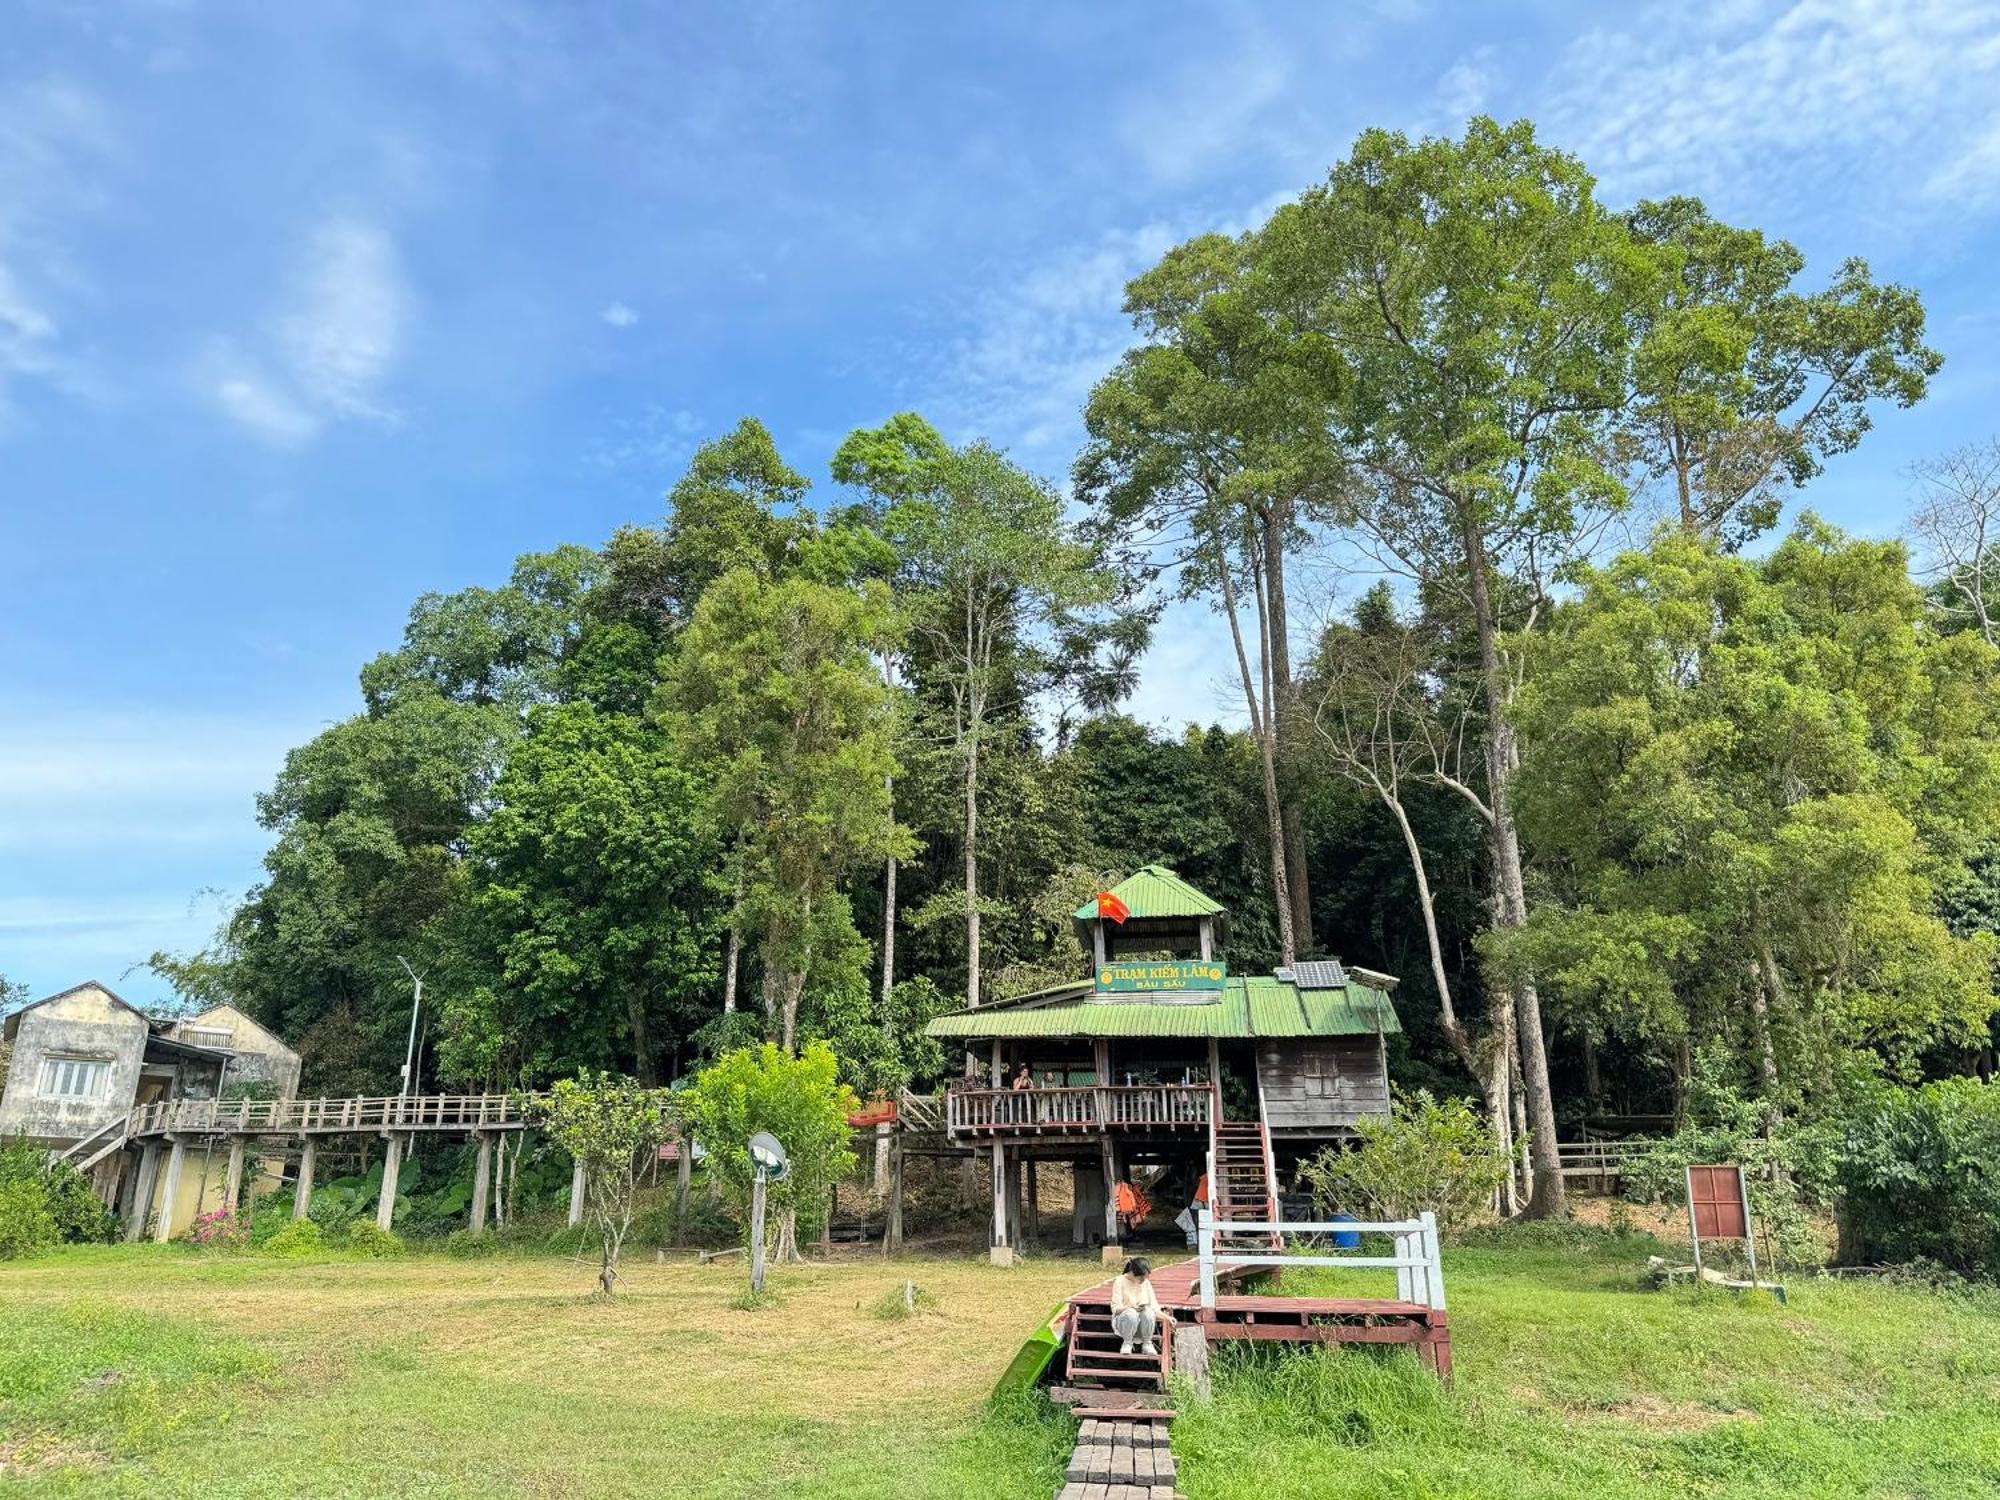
x,y
1574,1383
144,1371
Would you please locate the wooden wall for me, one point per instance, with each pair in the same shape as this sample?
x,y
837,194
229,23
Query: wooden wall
x,y
1322,1083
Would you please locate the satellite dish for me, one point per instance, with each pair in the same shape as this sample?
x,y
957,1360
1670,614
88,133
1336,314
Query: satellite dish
x,y
768,1154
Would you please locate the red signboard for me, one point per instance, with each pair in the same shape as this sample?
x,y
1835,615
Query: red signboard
x,y
1715,1200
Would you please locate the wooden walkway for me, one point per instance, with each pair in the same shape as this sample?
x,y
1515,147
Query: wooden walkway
x,y
1298,1320
417,1112
1120,1458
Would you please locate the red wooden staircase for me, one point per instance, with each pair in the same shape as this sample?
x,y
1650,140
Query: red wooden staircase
x,y
1243,1184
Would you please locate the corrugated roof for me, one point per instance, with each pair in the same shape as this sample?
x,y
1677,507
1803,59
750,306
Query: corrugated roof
x,y
1156,891
1248,1007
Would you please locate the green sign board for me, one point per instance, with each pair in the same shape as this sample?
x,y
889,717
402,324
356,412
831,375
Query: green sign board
x,y
1161,974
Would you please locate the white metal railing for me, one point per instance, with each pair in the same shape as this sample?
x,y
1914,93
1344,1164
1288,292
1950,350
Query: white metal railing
x,y
1418,1265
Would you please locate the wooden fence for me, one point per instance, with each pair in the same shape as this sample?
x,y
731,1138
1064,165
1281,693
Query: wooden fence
x,y
435,1112
1417,1262
1127,1106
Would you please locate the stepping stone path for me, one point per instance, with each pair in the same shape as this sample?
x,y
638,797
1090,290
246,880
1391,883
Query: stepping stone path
x,y
1119,1458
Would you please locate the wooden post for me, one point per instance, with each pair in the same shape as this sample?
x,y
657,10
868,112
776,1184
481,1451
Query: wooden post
x,y
232,1184
142,1191
576,1189
892,1231
163,1227
1034,1235
302,1193
683,1179
1110,1191
1215,1063
1191,1356
1002,1253
1016,1236
757,1235
392,1162
482,1183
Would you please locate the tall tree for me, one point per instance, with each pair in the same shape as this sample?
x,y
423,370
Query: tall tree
x,y
1000,598
773,689
1204,449
1743,385
1479,302
1956,524
595,904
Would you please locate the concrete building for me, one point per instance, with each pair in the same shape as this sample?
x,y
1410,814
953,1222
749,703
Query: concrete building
x,y
81,1061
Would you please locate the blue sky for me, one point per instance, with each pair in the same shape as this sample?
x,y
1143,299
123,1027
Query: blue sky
x,y
306,309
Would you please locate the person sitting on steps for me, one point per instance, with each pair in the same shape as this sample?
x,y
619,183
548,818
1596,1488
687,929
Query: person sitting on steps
x,y
1135,1307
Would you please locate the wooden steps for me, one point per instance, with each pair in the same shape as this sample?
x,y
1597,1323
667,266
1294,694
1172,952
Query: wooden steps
x,y
1121,1458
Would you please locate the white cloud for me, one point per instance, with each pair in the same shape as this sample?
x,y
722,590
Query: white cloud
x,y
1209,113
660,439
1464,89
325,355
1801,104
618,315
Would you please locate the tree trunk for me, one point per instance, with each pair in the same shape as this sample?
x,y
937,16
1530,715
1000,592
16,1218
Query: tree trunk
x,y
889,907
1548,1200
1275,520
733,953
1766,985
642,1044
1281,899
972,874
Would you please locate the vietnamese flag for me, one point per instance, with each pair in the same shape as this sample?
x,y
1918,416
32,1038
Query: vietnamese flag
x,y
1111,907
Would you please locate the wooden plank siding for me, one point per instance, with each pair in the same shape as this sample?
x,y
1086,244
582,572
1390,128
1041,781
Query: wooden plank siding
x,y
1318,1084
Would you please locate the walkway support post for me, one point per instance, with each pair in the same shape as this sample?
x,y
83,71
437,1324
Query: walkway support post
x,y
892,1230
482,1183
1111,1246
163,1227
142,1192
683,1180
392,1161
302,1194
576,1187
232,1185
1002,1253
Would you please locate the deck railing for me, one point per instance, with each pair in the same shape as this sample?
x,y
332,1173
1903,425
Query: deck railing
x,y
1112,1106
1418,1265
418,1112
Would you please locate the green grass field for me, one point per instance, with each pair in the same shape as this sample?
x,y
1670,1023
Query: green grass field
x,y
144,1371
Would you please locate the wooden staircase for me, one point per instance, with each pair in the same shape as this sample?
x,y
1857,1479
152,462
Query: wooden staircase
x,y
1243,1184
1094,1357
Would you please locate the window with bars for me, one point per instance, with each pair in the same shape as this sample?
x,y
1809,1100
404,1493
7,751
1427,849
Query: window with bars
x,y
75,1077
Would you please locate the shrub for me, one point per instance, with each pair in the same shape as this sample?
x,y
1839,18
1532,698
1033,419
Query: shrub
x,y
26,1226
220,1230
1920,1178
301,1237
366,1237
1431,1153
466,1245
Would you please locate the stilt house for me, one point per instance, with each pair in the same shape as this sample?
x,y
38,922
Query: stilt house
x,y
1163,1058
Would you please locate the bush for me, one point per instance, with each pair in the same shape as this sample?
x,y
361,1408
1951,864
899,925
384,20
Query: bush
x,y
1920,1178
296,1240
466,1245
220,1230
26,1225
1430,1154
366,1237
44,1203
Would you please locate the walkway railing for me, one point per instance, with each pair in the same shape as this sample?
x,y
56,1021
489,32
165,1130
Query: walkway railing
x,y
1418,1265
330,1116
1130,1106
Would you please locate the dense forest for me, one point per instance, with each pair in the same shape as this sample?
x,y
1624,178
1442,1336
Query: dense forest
x,y
1631,777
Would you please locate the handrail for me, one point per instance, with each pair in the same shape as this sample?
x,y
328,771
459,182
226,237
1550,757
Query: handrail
x,y
1418,1263
1080,1108
389,1112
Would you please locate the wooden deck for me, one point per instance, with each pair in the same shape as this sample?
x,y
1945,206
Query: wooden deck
x,y
1295,1320
1135,1108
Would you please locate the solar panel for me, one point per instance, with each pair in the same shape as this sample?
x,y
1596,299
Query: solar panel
x,y
1318,975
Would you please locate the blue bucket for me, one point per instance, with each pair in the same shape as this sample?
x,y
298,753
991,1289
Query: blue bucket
x,y
1346,1239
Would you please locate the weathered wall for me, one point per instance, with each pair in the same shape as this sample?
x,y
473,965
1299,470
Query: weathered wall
x,y
260,1057
86,1023
1322,1083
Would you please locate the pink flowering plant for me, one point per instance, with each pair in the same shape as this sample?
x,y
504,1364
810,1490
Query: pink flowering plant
x,y
223,1229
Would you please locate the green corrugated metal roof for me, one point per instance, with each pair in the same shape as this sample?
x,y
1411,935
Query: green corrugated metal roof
x,y
1250,1007
1156,891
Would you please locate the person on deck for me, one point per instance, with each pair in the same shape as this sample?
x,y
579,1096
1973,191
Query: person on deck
x,y
1135,1307
1023,1079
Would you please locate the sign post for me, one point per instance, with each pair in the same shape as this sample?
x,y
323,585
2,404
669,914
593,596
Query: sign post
x,y
772,1166
1718,1200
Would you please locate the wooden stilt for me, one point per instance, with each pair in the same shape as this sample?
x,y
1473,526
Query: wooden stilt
x,y
232,1184
892,1231
302,1191
163,1227
482,1183
392,1162
1034,1227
